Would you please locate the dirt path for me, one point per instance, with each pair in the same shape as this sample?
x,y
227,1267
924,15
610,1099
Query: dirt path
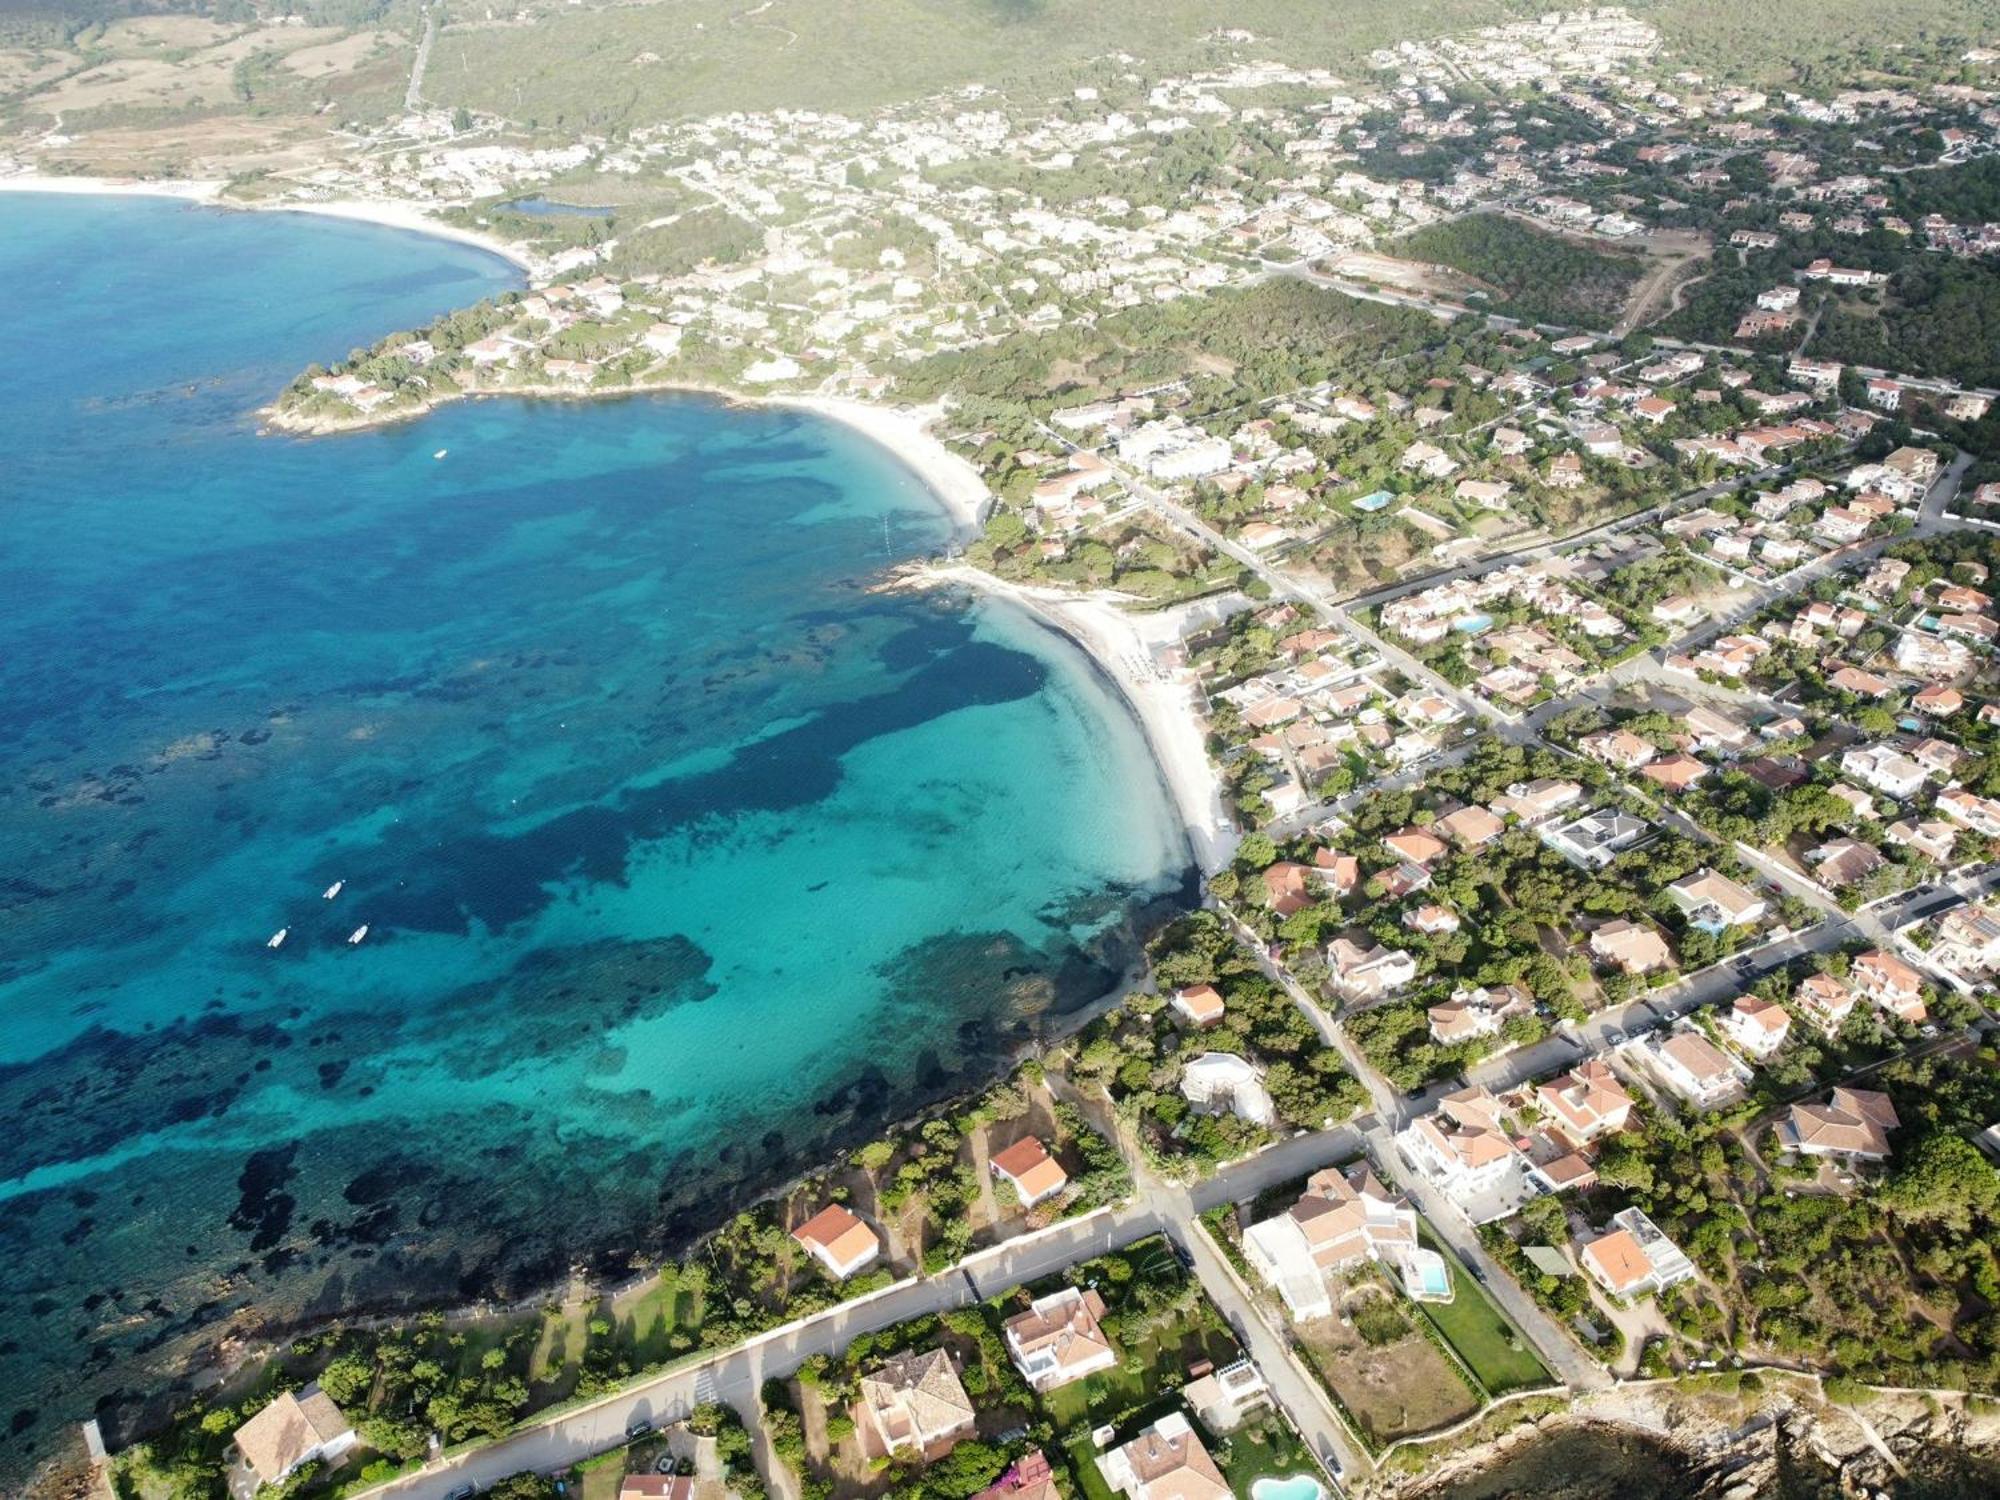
x,y
758,10
988,1210
1656,284
413,97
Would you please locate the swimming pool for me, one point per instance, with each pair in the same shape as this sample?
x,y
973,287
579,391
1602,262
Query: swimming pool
x,y
1291,1487
1472,624
1433,1280
1376,501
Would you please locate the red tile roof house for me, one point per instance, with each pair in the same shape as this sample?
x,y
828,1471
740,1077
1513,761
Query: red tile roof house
x,y
1165,1462
1825,1001
1697,1069
1416,846
1675,773
839,1241
1474,1013
1034,1173
1891,984
1757,1026
1630,949
1341,872
1852,1122
1634,1258
1059,1340
1586,1103
1617,747
1198,1004
1031,1478
656,1487
290,1431
1288,888
1469,827
915,1404
1840,863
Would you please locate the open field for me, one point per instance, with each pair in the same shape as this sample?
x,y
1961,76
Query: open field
x,y
176,80
342,55
1394,1389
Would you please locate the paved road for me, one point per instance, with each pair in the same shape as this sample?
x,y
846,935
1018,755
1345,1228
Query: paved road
x,y
1392,1111
736,1375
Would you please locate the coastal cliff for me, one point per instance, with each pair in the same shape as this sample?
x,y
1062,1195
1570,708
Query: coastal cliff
x,y
1722,1438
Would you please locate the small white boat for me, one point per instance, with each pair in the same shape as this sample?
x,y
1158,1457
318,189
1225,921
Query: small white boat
x,y
441,453
357,935
333,890
278,938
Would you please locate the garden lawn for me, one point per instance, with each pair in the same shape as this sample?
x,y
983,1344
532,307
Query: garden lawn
x,y
1106,1396
1083,1459
1264,1449
1484,1339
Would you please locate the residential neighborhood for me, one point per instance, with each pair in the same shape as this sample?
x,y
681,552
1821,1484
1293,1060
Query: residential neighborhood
x,y
1531,479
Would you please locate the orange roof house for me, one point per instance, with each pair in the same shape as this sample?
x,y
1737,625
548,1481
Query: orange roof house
x,y
1634,1257
1471,826
1031,1478
1059,1339
1675,772
1034,1173
1892,984
1586,1103
1852,1122
1341,872
1288,888
1416,846
1198,1004
656,1487
839,1241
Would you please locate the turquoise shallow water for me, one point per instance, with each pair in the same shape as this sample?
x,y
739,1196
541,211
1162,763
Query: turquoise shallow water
x,y
682,854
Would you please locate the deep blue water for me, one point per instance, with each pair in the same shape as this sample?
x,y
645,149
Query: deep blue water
x,y
682,854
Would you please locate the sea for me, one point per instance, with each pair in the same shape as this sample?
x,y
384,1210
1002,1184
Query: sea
x,y
686,857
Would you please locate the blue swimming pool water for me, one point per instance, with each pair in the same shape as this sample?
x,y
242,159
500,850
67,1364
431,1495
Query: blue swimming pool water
x,y
1472,624
1292,1487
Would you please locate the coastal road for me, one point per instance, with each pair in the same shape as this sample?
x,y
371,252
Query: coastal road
x,y
736,1375
1557,1351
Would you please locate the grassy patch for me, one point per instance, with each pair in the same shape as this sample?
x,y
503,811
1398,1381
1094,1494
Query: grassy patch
x,y
1481,1334
1264,1449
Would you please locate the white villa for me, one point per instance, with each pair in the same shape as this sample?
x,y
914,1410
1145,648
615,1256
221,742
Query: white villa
x,y
1222,1081
1058,1339
1342,1220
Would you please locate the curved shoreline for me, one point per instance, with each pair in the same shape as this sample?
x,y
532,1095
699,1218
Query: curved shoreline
x,y
1118,644
384,212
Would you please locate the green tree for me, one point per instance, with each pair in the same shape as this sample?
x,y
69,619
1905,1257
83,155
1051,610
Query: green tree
x,y
1943,1180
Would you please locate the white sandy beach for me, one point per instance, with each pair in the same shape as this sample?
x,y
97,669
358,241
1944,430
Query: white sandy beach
x,y
390,213
905,432
1124,643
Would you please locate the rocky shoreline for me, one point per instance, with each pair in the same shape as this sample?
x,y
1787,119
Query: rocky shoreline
x,y
1724,1438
